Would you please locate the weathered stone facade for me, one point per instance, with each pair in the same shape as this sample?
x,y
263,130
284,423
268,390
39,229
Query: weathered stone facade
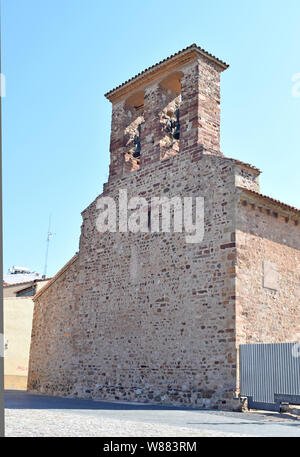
x,y
148,316
268,276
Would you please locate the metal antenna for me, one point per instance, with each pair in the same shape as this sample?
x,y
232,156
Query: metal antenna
x,y
49,235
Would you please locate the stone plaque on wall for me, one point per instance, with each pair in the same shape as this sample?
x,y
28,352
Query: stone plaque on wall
x,y
271,275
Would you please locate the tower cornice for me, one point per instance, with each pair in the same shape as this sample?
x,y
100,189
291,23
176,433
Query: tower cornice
x,y
158,70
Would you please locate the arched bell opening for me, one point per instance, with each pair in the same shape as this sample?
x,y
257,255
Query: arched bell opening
x,y
170,114
134,119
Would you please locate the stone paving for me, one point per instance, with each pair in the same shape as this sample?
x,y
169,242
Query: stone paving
x,y
56,423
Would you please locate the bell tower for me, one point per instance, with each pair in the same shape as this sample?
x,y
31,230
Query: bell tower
x,y
170,108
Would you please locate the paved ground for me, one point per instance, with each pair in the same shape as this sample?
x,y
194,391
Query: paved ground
x,y
38,415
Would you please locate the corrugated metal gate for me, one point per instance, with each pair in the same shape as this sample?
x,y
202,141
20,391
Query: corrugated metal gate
x,y
270,374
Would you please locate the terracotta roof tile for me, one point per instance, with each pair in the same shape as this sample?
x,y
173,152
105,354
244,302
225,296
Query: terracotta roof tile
x,y
245,164
188,48
270,200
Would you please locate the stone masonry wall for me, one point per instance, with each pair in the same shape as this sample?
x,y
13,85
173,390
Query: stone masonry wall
x,y
198,99
154,317
267,313
268,277
246,178
53,339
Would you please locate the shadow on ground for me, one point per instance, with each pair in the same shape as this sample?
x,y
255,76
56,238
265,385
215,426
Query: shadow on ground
x,y
20,399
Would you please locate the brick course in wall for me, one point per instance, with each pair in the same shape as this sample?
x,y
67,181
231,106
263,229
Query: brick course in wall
x,y
148,316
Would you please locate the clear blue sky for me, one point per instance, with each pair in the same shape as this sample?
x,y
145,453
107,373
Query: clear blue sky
x,y
61,56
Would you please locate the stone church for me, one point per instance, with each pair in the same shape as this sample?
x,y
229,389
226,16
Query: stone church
x,y
147,316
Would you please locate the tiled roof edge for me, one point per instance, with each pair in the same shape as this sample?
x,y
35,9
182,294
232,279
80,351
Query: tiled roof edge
x,y
58,274
270,200
245,164
188,48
